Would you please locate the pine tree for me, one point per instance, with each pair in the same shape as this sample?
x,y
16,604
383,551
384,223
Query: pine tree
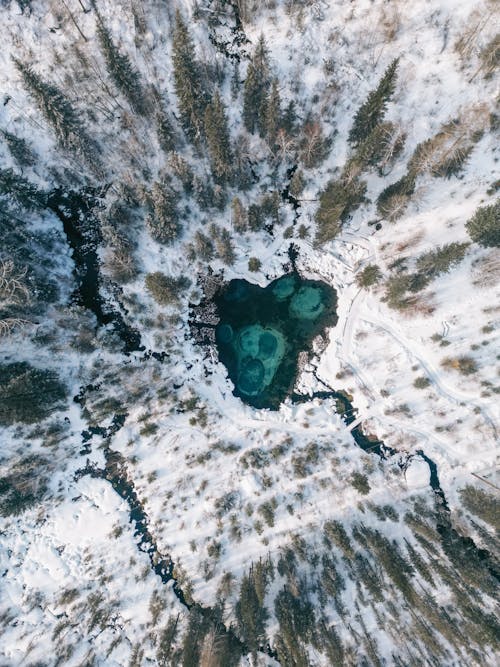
x,y
58,112
218,141
273,115
255,91
120,69
21,191
484,226
235,81
371,112
337,201
19,149
189,88
250,613
290,118
165,132
239,216
162,221
224,244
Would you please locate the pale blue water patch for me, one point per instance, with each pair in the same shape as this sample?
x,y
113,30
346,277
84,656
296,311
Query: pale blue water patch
x,y
260,351
307,303
284,287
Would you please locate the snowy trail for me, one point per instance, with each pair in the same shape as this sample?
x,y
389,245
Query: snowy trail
x,y
415,351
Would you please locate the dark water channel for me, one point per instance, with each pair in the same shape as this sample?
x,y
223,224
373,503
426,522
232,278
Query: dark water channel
x,y
75,209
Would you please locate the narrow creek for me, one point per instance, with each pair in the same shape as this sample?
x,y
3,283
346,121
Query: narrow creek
x,y
115,472
75,209
286,195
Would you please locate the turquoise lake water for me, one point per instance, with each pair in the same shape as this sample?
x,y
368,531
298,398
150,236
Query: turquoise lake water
x,y
262,331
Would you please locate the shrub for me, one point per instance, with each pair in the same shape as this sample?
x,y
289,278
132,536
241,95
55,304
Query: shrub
x,y
421,382
28,394
464,364
254,264
369,276
484,226
165,290
360,483
267,512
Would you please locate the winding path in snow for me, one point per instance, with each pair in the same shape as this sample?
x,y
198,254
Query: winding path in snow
x,y
414,350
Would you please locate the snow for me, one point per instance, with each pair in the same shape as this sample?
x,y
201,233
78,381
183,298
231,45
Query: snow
x,y
374,353
417,474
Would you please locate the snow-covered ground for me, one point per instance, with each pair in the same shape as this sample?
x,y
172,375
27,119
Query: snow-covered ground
x,y
205,473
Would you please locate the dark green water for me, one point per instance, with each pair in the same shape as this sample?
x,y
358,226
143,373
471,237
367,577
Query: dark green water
x,y
262,330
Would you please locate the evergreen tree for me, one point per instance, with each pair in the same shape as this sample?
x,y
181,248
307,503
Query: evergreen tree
x,y
296,618
239,216
203,246
255,92
371,112
484,226
162,220
235,81
436,262
120,69
223,244
189,88
19,149
250,613
28,394
289,120
165,131
58,112
393,200
218,141
20,191
337,201
256,218
273,115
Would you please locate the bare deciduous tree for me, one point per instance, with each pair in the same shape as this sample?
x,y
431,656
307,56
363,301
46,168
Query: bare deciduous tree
x,y
13,292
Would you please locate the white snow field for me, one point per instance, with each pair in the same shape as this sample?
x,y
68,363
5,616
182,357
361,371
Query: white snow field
x,y
223,485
